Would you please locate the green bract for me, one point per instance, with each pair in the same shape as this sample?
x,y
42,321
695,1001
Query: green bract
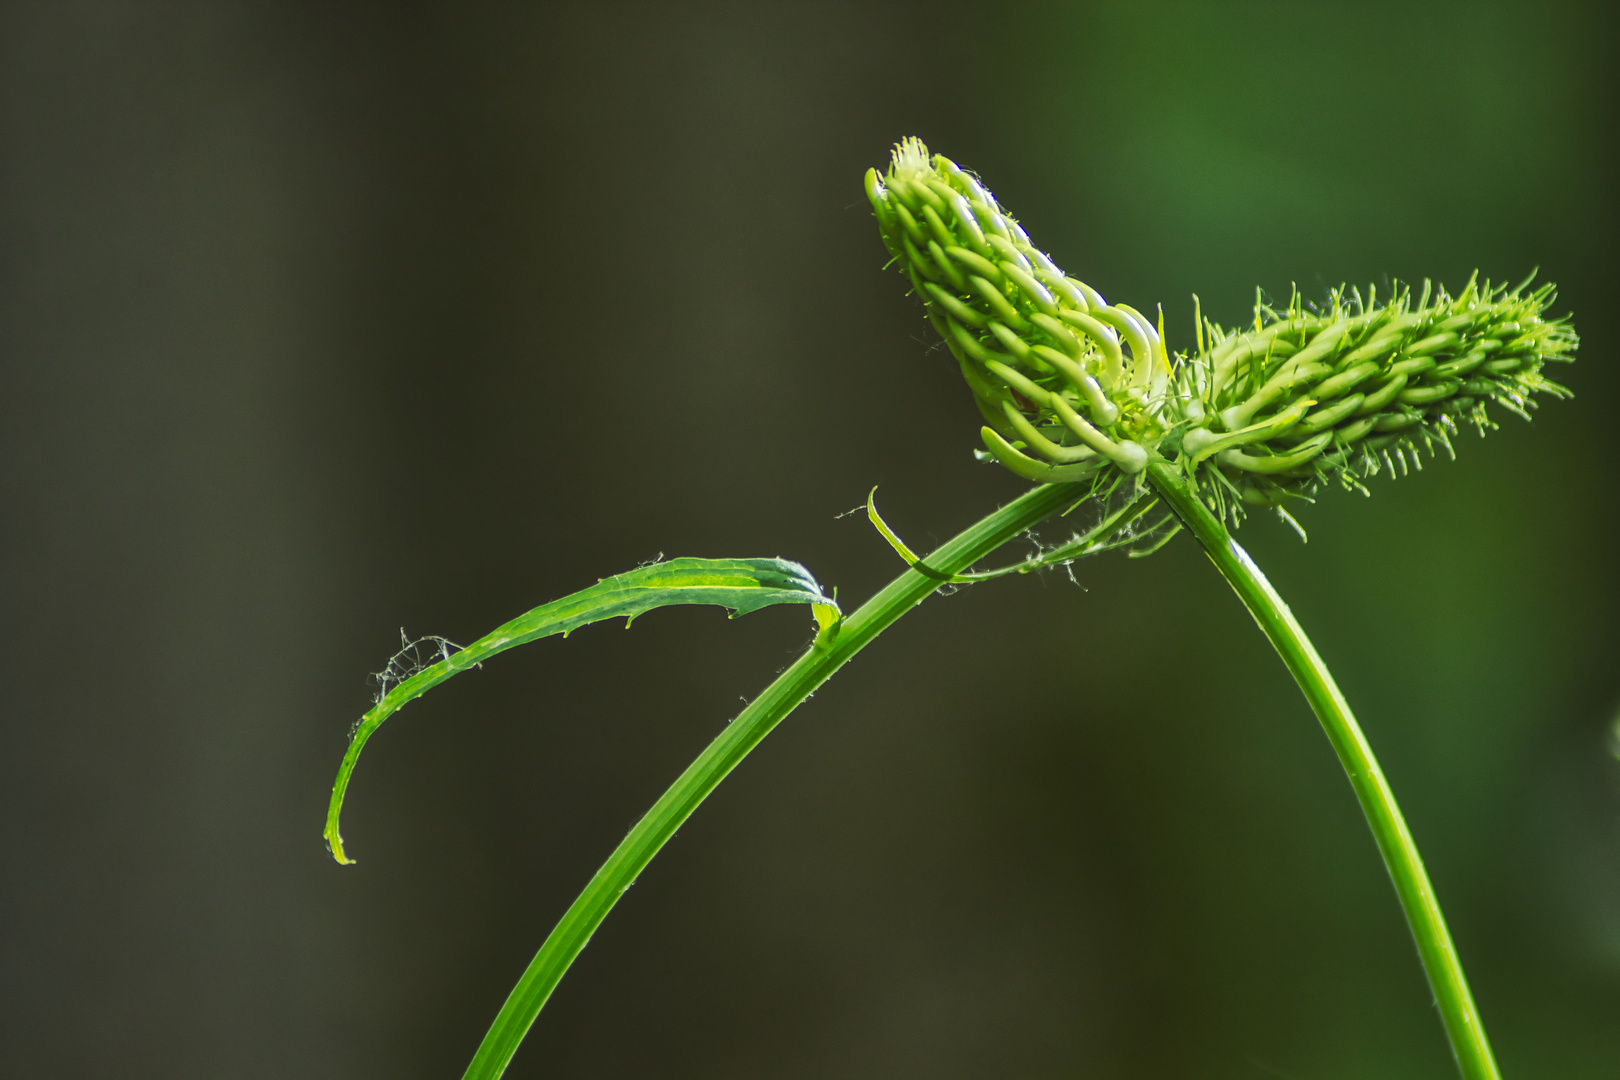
x,y
1070,385
740,585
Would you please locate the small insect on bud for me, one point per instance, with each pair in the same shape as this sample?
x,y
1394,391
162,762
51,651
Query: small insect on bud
x,y
1070,385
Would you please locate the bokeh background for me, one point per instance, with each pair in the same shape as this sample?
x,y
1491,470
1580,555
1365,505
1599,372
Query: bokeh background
x,y
319,320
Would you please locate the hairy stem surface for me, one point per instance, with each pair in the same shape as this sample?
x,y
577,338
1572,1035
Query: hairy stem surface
x,y
1412,885
830,652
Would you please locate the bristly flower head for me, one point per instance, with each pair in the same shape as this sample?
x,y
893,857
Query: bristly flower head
x,y
1038,348
1070,385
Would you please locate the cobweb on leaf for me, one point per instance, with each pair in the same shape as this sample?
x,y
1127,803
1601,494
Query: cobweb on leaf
x,y
415,656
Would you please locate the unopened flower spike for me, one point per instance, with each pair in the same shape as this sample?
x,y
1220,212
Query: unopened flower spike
x,y
1054,367
1069,384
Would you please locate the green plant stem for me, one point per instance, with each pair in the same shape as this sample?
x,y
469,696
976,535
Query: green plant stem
x,y
1417,897
829,653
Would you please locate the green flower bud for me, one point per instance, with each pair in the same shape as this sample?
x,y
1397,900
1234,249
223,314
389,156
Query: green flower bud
x,y
1071,386
1051,364
1307,398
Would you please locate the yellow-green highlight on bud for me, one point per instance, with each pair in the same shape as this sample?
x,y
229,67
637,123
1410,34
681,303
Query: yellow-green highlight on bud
x,y
1071,386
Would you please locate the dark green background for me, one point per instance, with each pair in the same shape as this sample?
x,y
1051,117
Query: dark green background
x,y
322,319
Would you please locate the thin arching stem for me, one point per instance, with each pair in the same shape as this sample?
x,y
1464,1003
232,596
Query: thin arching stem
x,y
1400,853
830,652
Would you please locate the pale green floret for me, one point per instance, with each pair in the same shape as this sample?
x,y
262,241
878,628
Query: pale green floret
x,y
1071,386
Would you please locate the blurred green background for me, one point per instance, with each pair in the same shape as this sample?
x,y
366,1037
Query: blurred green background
x,y
319,320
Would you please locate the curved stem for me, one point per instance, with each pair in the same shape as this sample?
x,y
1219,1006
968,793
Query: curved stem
x,y
1417,897
830,652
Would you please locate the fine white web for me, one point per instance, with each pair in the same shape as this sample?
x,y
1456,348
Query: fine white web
x,y
415,655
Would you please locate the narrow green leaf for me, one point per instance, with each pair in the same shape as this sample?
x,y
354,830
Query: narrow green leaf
x,y
743,585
